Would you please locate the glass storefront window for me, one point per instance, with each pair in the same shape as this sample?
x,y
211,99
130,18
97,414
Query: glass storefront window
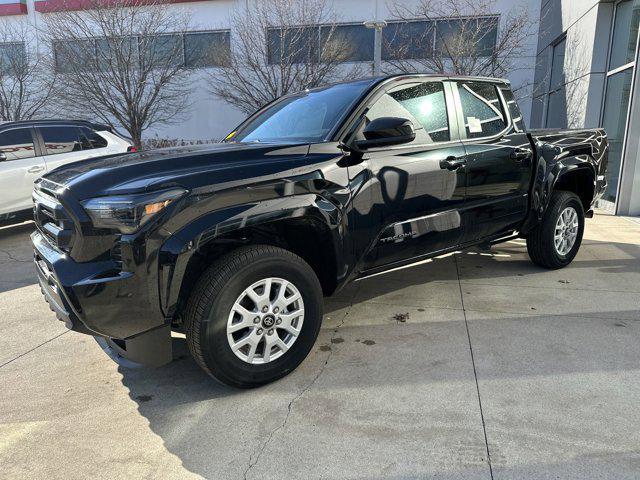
x,y
557,100
625,34
622,62
615,123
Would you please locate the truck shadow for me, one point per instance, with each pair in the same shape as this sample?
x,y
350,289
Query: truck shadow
x,y
215,430
506,264
16,257
182,376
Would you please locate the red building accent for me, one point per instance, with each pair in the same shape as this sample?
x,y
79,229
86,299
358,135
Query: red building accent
x,y
48,6
13,9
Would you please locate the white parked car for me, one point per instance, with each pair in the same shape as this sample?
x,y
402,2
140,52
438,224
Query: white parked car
x,y
29,149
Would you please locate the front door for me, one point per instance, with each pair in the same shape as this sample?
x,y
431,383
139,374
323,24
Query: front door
x,y
409,197
498,159
19,168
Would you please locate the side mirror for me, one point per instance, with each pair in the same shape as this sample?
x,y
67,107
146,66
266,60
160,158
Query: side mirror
x,y
386,131
3,157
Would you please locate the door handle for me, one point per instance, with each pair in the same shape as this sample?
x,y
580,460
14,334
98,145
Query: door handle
x,y
452,163
36,169
521,154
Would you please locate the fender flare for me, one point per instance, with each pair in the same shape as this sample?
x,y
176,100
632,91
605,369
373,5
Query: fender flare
x,y
178,250
553,164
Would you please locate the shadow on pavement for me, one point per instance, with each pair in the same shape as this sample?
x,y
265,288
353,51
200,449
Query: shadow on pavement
x,y
16,257
183,375
604,265
215,430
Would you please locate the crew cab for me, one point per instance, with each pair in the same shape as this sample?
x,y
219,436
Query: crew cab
x,y
235,244
30,148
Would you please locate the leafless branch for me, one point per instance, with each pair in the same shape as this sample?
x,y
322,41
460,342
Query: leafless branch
x,y
461,37
120,64
279,47
25,84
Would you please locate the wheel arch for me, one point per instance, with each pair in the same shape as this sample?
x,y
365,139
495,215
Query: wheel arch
x,y
555,170
309,226
579,180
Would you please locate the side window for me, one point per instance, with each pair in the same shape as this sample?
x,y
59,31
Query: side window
x,y
90,139
423,103
514,109
17,144
482,110
61,139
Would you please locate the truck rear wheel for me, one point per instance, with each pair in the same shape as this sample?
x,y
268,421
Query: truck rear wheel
x,y
254,316
556,241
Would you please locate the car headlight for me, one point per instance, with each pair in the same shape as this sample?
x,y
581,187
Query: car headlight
x,y
128,213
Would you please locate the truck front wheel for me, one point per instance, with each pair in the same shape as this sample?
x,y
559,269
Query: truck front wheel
x,y
556,240
254,315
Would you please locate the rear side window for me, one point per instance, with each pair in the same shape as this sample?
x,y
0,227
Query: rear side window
x,y
514,109
90,139
61,139
481,108
17,144
423,103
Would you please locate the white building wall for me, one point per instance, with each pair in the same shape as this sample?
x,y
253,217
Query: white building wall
x,y
211,118
587,26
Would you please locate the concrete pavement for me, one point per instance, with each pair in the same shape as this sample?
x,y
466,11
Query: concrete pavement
x,y
476,365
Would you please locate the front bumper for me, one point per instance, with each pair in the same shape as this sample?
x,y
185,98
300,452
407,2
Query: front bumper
x,y
96,299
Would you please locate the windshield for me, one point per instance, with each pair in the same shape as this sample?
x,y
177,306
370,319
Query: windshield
x,y
304,117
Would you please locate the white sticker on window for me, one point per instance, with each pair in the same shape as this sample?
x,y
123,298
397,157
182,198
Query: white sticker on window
x,y
475,125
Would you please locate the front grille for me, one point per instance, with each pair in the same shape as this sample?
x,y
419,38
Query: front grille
x,y
51,219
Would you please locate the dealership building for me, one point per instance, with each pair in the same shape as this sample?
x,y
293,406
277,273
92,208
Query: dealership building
x,y
586,77
579,70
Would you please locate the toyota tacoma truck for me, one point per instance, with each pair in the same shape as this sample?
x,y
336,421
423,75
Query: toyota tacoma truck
x,y
235,244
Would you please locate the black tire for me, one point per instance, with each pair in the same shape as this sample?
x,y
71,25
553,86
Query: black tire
x,y
215,293
540,242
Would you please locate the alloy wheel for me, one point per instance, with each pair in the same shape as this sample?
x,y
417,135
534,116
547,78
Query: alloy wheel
x,y
265,320
566,231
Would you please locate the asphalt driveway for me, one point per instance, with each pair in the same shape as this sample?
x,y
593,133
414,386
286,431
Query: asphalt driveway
x,y
475,365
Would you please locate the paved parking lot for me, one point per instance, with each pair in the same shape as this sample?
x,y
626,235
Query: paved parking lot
x,y
476,365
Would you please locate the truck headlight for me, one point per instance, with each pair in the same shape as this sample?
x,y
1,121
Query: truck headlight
x,y
128,213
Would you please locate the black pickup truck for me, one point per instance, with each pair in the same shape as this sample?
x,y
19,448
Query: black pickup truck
x,y
235,244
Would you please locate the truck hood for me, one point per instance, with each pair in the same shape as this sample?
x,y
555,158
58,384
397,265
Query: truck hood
x,y
188,167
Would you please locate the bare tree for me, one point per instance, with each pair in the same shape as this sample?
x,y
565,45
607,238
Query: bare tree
x,y
462,37
122,62
26,84
279,47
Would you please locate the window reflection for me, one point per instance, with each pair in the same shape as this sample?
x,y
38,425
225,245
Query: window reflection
x,y
615,123
17,144
625,33
618,90
483,115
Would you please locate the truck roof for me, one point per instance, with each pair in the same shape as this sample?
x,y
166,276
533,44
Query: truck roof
x,y
398,76
445,75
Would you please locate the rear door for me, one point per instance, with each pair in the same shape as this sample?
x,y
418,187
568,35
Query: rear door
x,y
411,196
21,167
498,159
